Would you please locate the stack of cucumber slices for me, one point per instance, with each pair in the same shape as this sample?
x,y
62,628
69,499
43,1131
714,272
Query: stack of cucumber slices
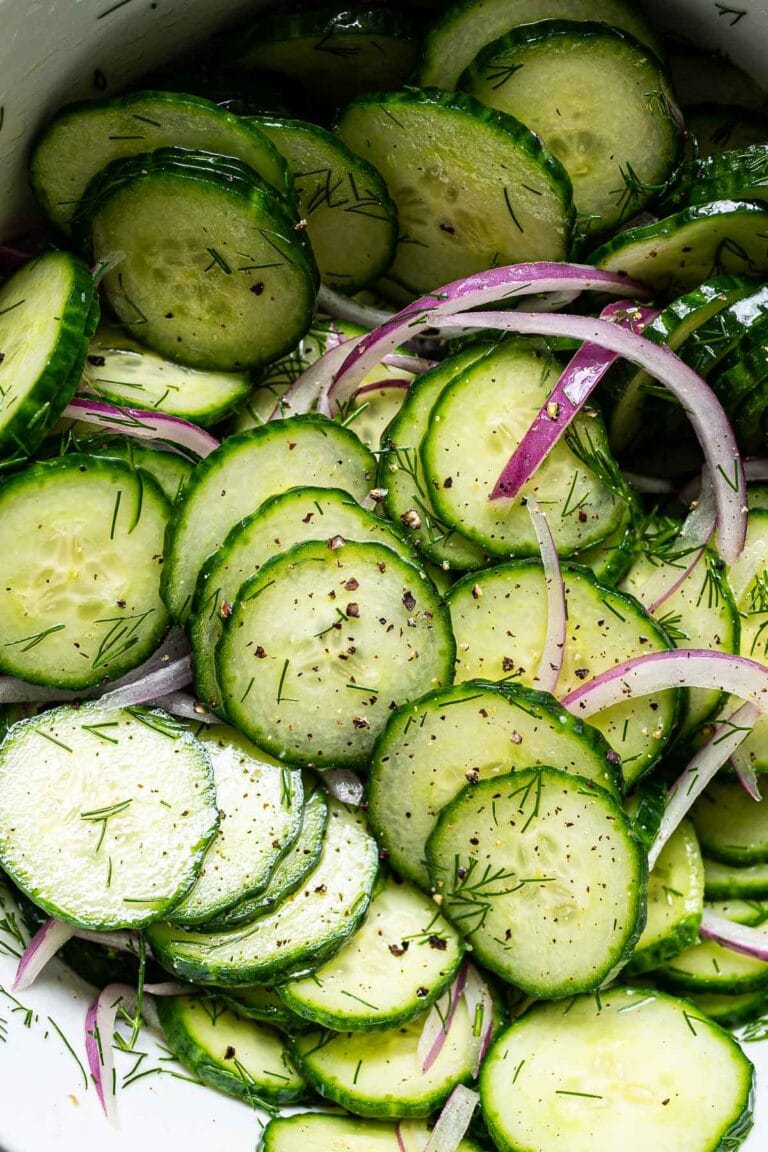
x,y
384,577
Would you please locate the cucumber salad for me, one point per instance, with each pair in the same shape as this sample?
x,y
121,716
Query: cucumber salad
x,y
384,577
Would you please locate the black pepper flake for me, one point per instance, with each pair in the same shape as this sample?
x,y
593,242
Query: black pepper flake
x,y
336,542
422,993
306,519
321,890
473,776
230,1053
351,585
259,653
437,942
257,288
122,604
582,516
399,949
225,610
613,757
461,872
507,664
448,482
409,600
353,610
582,673
97,361
360,722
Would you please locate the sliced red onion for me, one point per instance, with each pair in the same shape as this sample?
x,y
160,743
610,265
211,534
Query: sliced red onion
x,y
677,668
184,438
100,269
100,1023
304,393
437,1026
406,363
479,1003
690,545
186,707
175,675
454,1120
699,771
738,937
746,775
398,383
43,946
551,662
121,941
399,1137
341,307
573,389
345,786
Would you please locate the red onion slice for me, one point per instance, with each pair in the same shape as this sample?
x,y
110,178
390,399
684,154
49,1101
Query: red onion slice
x,y
340,307
398,383
573,389
454,1120
100,270
43,946
159,682
399,1137
699,771
186,708
304,393
345,786
738,937
437,1025
184,438
551,662
747,777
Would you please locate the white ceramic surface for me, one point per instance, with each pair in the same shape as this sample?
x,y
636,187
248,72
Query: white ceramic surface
x,y
49,53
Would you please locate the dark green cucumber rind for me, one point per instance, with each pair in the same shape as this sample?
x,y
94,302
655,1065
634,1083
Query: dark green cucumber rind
x,y
168,469
278,569
525,701
374,203
713,342
179,604
677,980
618,956
23,432
265,1006
731,1010
138,653
740,174
214,1073
722,882
669,237
611,559
646,808
715,830
684,935
290,873
273,170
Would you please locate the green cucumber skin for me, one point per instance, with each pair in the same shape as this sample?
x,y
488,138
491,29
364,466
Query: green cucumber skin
x,y
208,1071
680,984
685,934
278,1016
740,174
733,886
58,383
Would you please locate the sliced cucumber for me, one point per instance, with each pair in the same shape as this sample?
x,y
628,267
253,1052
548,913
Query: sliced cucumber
x,y
751,912
337,53
488,194
627,1066
431,747
240,475
738,174
677,253
747,577
609,560
260,804
731,1011
47,315
215,273
601,102
467,26
675,902
710,967
123,372
408,500
309,691
476,424
394,967
499,621
717,128
282,521
320,1132
83,138
543,874
105,814
380,1074
261,1004
229,1052
724,882
299,934
81,545
731,827
169,470
291,871
351,220
711,343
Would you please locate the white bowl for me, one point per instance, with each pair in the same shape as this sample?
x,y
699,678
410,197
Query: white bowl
x,y
52,52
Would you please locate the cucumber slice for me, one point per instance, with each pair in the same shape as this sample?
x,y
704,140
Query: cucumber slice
x,y
241,474
609,560
123,372
84,138
105,814
215,274
711,343
724,882
170,471
260,804
577,1091
325,702
477,730
717,128
371,412
750,422
351,220
739,174
292,870
379,1074
263,1005
319,1132
751,912
478,421
335,53
554,906
701,613
601,103
731,1011
229,1052
730,826
646,807
709,967
394,967
675,902
499,621
490,193
408,500
281,522
80,571
461,32
47,314
297,936
677,253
